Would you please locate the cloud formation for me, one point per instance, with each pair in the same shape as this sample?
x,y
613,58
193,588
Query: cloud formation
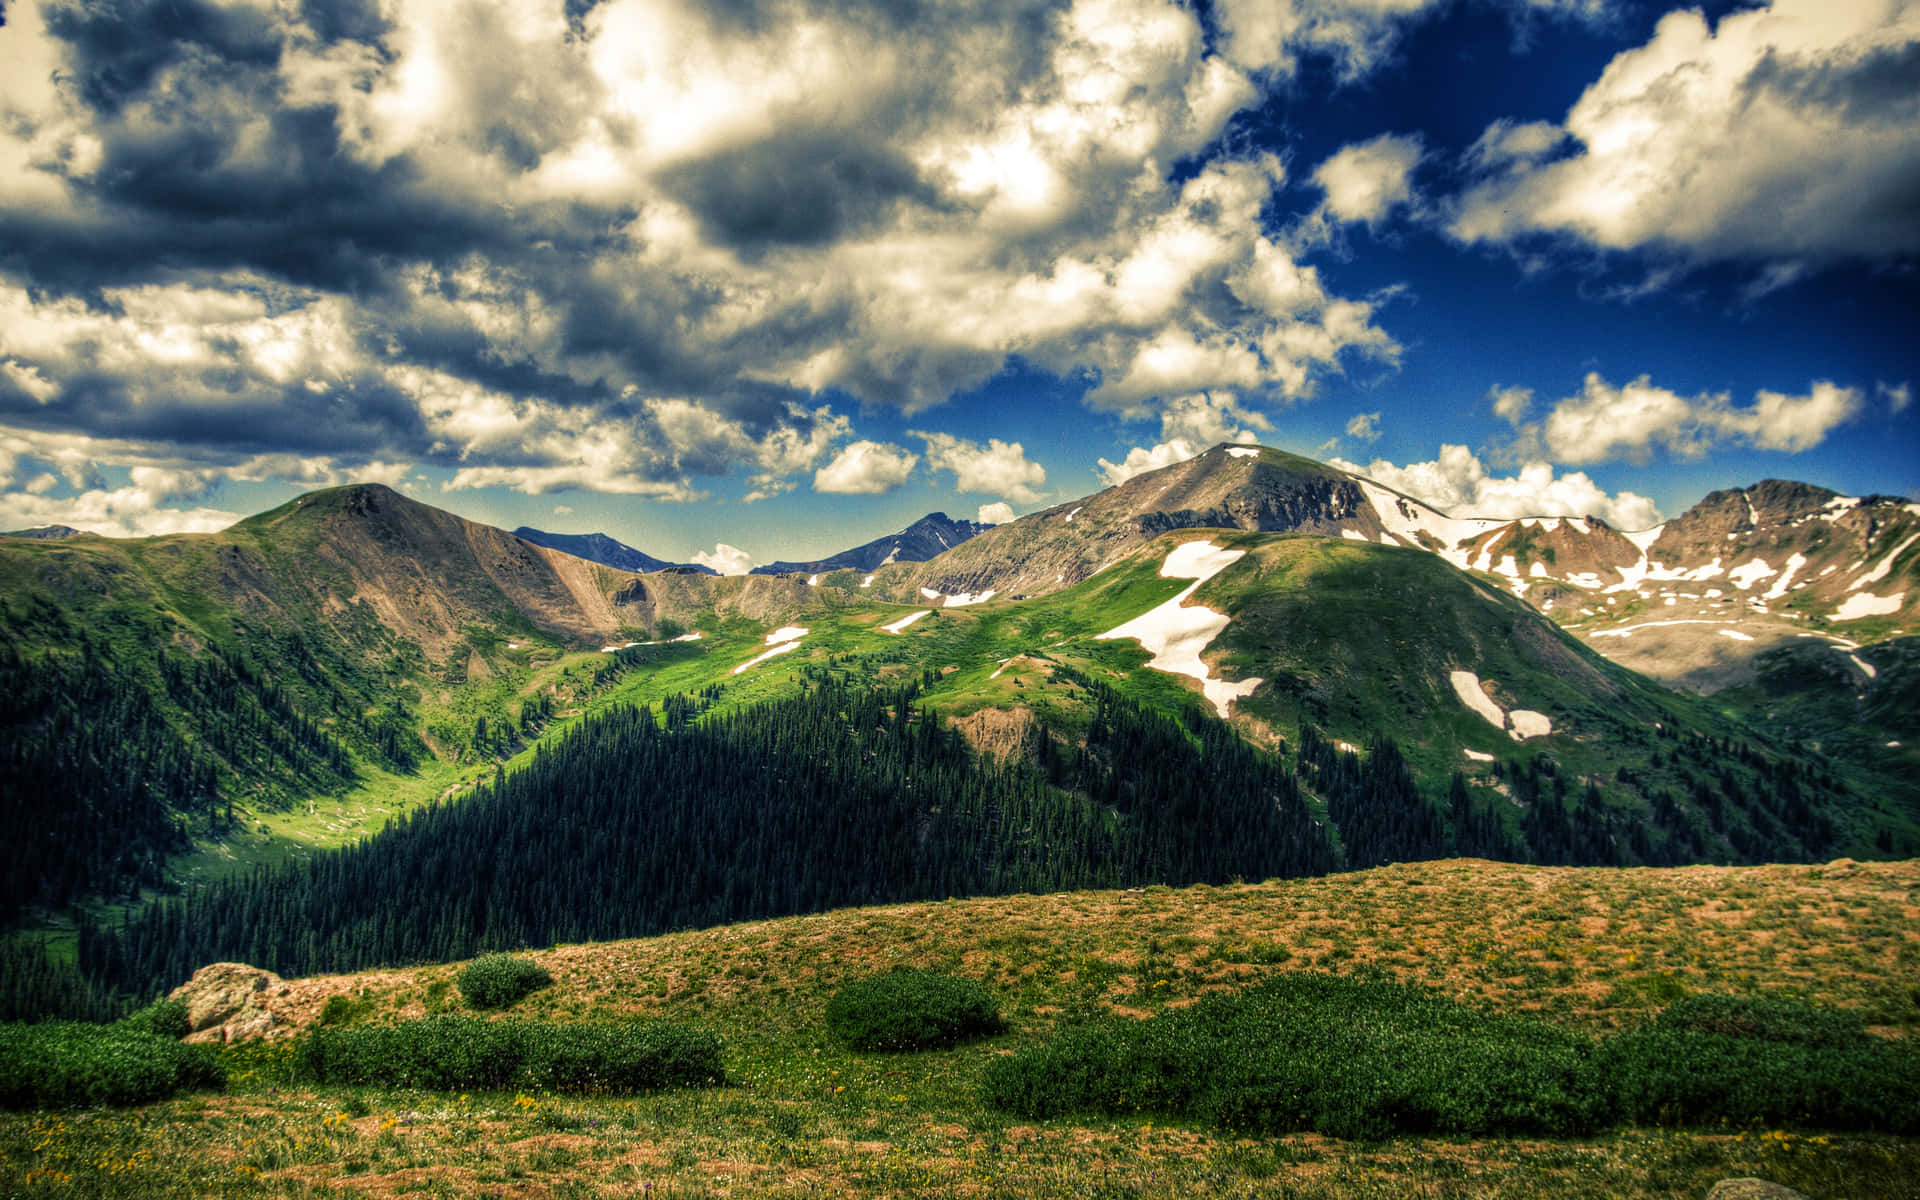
x,y
1783,133
1606,422
727,560
1458,484
625,246
1189,425
996,469
1367,182
865,468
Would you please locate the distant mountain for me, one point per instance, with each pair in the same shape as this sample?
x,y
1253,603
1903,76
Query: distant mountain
x,y
45,532
354,629
932,535
1692,602
598,547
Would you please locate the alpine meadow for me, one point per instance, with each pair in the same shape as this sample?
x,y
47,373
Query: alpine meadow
x,y
1004,599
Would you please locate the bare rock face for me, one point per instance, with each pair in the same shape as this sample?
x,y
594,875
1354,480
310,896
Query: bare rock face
x,y
1752,1189
229,1002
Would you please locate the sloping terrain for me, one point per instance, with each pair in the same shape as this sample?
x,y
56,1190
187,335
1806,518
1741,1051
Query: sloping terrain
x,y
1590,951
598,547
1309,608
929,537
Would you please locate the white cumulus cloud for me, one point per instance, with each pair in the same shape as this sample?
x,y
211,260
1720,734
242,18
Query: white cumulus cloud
x,y
1368,181
728,560
997,513
865,469
1785,132
1189,425
1458,484
997,468
1606,421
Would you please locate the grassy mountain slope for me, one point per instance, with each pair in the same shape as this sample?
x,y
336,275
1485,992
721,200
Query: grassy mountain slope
x,y
421,648
1586,949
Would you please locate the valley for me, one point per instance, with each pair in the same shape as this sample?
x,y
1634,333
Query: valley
x,y
420,652
1244,720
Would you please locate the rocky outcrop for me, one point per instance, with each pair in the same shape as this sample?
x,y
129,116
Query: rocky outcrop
x,y
1752,1189
229,1002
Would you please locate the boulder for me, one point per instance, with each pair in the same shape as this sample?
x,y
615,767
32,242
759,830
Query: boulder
x,y
1752,1189
228,1002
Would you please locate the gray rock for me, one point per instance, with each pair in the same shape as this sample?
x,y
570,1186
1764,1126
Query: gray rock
x,y
227,1002
1752,1189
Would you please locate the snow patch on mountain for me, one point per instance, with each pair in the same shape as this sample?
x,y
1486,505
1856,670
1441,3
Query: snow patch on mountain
x,y
1175,634
1749,573
901,625
1880,569
1866,604
781,640
1780,585
1520,724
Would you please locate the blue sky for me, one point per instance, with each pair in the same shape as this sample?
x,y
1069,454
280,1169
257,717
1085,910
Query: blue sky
x,y
751,281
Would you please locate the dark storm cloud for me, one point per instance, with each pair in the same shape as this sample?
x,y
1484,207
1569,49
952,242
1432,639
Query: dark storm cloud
x,y
1875,86
225,410
797,188
119,47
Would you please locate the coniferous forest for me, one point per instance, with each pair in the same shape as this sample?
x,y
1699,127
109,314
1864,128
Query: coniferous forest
x,y
639,821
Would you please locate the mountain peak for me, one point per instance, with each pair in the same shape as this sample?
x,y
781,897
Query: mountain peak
x,y
929,537
47,533
600,548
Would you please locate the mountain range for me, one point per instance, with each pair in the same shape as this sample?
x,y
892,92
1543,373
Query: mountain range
x,y
598,547
1736,684
929,537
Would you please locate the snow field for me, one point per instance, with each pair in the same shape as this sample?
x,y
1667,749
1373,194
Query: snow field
x,y
1520,724
1175,634
1866,604
781,640
901,625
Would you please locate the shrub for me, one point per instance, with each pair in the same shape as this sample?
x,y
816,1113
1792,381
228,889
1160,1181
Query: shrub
x,y
1665,1076
501,980
162,1018
909,1009
1361,1059
1766,1019
63,1064
463,1053
1315,1052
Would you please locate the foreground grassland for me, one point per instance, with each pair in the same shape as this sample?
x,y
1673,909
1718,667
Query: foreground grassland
x,y
801,1116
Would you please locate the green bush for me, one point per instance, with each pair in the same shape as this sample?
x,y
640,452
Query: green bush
x,y
501,980
163,1018
909,1009
1315,1052
1766,1019
463,1053
1685,1077
68,1064
1361,1059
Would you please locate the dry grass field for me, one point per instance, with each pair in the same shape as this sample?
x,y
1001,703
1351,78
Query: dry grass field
x,y
1592,949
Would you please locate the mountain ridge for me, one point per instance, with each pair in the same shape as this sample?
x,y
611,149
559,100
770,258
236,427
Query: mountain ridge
x,y
928,537
1341,607
606,550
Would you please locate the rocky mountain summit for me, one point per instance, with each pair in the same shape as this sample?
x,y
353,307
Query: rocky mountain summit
x,y
598,547
930,536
